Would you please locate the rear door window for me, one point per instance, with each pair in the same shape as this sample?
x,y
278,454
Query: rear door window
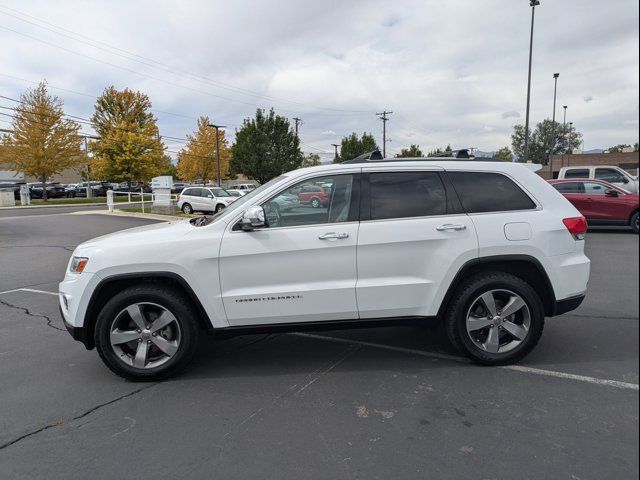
x,y
481,192
569,187
406,194
577,173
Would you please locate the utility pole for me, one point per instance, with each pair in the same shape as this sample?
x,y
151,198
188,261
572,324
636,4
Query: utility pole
x,y
218,180
384,118
532,4
335,146
298,122
86,153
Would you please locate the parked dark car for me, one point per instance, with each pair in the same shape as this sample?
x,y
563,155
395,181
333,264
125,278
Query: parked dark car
x,y
133,187
98,189
600,202
54,190
178,187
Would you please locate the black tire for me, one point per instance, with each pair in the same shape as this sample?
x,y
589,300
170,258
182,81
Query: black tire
x,y
218,208
176,303
634,222
455,318
187,208
315,203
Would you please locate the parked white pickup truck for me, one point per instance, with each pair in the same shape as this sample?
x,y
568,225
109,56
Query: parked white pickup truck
x,y
614,175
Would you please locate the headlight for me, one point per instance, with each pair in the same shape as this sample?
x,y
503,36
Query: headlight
x,y
78,264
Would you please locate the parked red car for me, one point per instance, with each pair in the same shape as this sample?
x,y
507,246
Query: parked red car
x,y
600,202
313,195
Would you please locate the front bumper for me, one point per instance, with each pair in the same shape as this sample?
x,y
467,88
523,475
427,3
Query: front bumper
x,y
78,333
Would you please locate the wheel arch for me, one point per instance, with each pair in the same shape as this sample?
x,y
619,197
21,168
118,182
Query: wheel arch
x,y
525,267
633,212
110,286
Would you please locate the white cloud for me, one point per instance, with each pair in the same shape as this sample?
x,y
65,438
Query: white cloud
x,y
335,64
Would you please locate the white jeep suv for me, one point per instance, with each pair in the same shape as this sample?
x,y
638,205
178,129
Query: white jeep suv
x,y
488,248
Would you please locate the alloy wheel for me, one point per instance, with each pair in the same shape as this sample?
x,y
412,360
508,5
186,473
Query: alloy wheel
x,y
498,321
145,335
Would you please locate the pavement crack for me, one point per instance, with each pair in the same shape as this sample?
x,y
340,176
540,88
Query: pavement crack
x,y
29,313
82,415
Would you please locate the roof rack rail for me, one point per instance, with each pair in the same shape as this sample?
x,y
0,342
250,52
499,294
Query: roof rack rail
x,y
460,155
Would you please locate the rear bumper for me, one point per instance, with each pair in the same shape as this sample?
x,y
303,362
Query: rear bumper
x,y
568,304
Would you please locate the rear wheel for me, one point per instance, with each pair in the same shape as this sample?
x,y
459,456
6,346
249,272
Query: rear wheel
x,y
315,203
634,222
147,332
187,208
495,318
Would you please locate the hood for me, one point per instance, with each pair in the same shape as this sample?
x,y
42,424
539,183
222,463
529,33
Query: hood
x,y
145,235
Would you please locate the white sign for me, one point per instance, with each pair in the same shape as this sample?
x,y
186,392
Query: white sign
x,y
165,181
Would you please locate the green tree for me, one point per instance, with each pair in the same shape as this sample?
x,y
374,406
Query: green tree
x,y
311,160
504,154
412,151
197,159
129,147
618,148
354,146
447,152
265,147
542,142
43,142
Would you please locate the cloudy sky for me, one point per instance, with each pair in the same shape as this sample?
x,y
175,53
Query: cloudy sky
x,y
451,71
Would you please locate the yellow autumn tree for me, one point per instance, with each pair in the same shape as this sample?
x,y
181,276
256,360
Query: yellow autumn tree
x,y
197,160
129,147
43,142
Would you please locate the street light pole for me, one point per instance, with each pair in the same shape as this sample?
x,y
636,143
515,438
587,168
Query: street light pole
x,y
532,4
218,180
553,123
564,132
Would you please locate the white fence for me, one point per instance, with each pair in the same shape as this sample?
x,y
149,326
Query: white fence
x,y
141,195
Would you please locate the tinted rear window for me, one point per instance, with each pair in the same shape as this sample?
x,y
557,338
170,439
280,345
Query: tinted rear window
x,y
577,173
569,187
406,194
489,192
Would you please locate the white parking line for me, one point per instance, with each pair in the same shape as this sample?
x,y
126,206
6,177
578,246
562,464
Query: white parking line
x,y
32,290
515,368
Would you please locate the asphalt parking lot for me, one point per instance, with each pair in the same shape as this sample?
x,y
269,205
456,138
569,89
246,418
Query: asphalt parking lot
x,y
387,403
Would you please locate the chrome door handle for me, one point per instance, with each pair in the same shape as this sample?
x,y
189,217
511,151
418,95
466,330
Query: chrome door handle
x,y
451,226
333,236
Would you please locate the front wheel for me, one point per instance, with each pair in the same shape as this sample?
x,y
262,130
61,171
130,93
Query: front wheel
x,y
634,222
495,318
147,332
219,207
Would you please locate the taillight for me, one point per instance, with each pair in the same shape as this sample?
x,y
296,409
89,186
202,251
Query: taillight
x,y
577,226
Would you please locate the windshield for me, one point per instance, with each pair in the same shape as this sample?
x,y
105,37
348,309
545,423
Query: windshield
x,y
219,192
238,204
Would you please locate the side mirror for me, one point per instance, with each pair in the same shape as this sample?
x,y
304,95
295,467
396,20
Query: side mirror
x,y
209,196
625,180
611,193
252,218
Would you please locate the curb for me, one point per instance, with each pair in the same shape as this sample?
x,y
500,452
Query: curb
x,y
118,213
58,205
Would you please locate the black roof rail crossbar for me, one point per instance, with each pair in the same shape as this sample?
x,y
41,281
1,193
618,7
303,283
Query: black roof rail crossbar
x,y
375,155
